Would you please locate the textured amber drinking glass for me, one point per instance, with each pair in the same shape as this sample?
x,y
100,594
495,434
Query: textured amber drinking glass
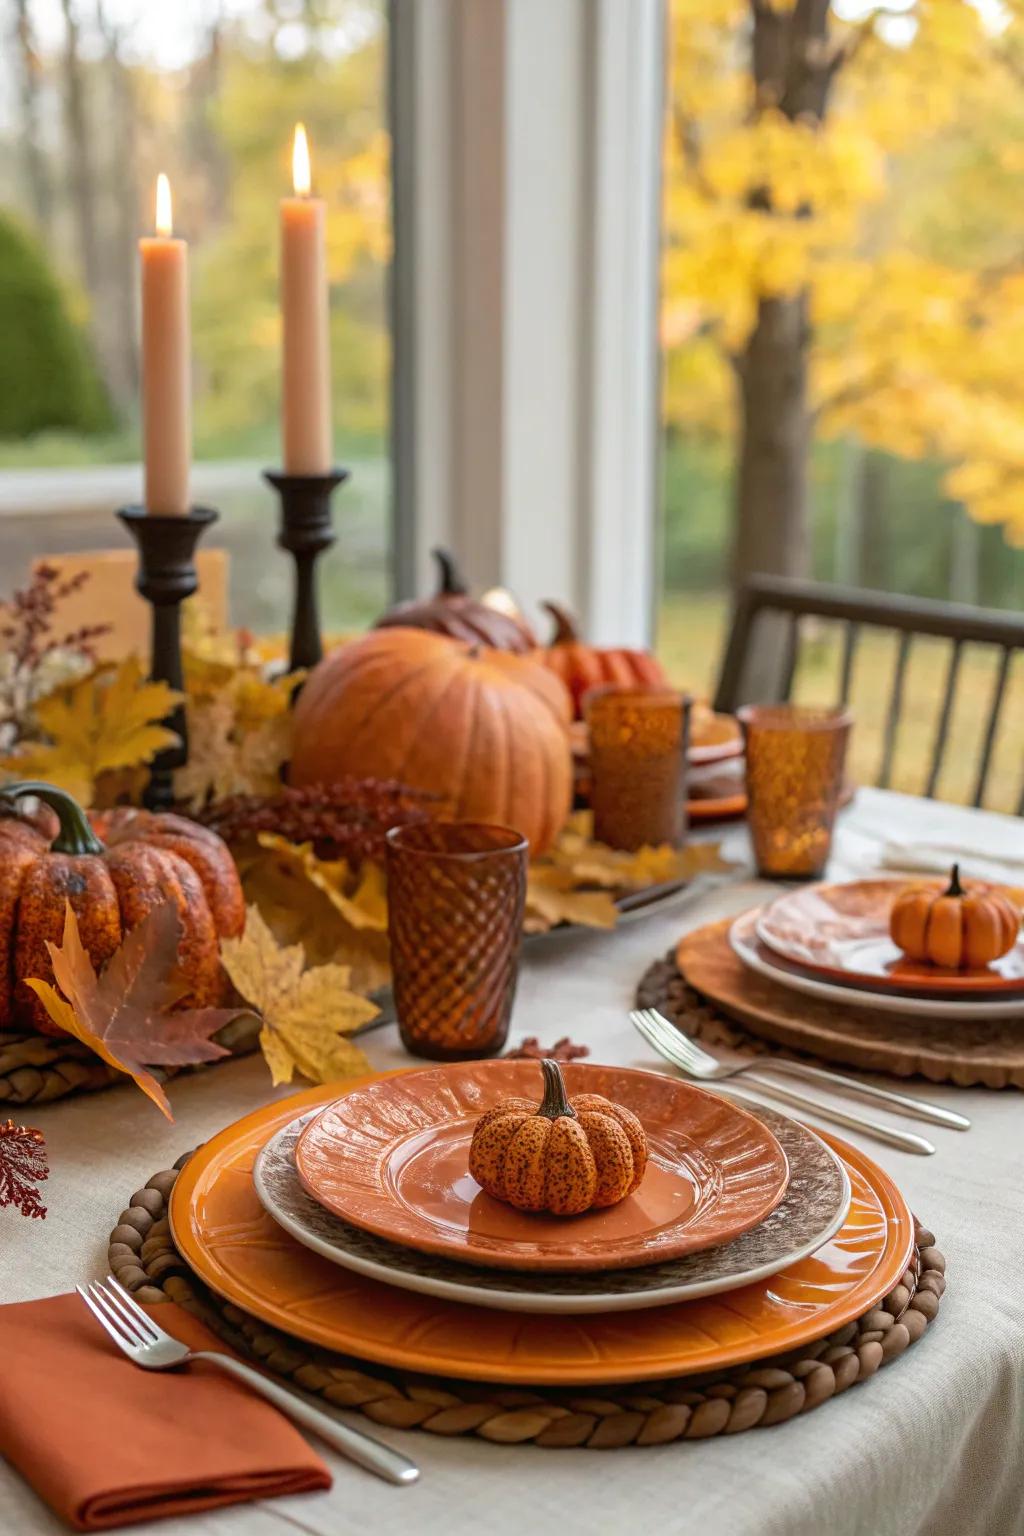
x,y
455,921
638,739
795,759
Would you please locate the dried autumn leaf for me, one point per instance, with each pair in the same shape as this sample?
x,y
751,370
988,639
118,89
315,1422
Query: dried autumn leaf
x,y
552,897
592,863
306,1013
122,1014
297,912
239,731
111,719
360,898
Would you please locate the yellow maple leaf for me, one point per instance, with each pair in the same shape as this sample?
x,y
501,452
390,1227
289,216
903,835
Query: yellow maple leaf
x,y
306,1013
110,720
298,912
552,897
239,731
361,899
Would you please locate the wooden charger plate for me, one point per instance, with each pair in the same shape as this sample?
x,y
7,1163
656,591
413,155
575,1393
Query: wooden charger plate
x,y
964,1051
227,1238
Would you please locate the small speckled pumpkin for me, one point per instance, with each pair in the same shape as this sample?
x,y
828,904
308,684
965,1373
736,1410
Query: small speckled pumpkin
x,y
960,928
113,870
563,1156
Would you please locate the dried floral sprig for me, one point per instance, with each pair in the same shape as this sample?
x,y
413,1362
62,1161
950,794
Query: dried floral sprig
x,y
29,639
531,1049
23,1165
346,820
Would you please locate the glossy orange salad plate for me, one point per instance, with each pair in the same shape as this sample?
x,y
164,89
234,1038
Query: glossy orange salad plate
x,y
842,932
393,1158
231,1243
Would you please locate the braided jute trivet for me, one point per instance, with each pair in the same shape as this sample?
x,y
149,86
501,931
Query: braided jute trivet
x,y
143,1257
36,1069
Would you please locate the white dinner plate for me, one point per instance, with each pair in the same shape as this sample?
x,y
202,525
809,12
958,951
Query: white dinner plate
x,y
812,1210
756,956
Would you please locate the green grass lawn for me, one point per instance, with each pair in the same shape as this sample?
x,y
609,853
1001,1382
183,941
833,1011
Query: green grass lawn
x,y
690,638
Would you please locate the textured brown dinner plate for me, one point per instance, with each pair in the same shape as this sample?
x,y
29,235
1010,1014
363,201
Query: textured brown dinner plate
x,y
842,932
393,1158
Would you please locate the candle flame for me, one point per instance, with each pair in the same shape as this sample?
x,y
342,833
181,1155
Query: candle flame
x,y
301,179
164,221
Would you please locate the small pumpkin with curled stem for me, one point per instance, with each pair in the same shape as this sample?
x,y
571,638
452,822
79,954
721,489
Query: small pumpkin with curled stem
x,y
564,1155
960,928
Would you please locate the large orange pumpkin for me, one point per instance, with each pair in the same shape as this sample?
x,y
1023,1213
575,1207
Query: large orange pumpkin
x,y
112,870
485,731
582,666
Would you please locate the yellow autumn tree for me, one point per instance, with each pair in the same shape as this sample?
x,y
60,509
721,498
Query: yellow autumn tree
x,y
844,255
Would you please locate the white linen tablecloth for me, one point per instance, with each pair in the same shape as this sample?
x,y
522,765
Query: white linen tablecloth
x,y
933,1446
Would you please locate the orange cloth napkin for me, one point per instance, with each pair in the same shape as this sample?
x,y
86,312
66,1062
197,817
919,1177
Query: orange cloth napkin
x,y
105,1443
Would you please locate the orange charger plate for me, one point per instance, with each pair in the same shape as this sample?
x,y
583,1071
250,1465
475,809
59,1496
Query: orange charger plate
x,y
232,1244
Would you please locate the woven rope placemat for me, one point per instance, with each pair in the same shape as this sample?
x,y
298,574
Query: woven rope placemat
x,y
143,1257
36,1069
662,987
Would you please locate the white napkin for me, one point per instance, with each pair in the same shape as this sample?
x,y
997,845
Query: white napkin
x,y
992,850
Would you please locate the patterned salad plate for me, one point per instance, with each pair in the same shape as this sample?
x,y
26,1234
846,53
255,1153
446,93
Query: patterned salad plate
x,y
393,1158
236,1248
815,1206
757,957
841,933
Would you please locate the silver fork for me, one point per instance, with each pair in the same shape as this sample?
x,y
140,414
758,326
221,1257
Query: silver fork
x,y
146,1344
707,1066
692,1059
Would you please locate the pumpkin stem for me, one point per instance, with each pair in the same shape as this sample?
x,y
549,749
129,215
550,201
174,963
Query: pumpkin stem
x,y
955,888
566,628
555,1104
75,835
452,582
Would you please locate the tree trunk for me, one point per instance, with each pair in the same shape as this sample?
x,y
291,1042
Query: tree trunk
x,y
771,483
792,67
37,172
122,351
79,148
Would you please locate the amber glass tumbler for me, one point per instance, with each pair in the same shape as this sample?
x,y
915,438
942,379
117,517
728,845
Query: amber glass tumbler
x,y
638,742
455,922
795,761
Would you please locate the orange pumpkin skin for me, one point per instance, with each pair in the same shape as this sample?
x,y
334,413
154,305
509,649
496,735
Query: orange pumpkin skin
x,y
582,667
146,860
958,929
565,1156
484,731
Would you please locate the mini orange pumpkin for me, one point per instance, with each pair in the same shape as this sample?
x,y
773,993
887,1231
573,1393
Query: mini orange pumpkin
x,y
563,1155
957,928
582,666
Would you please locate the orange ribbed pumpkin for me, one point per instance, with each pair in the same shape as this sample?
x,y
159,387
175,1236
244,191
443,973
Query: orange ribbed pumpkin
x,y
960,928
582,666
113,869
484,730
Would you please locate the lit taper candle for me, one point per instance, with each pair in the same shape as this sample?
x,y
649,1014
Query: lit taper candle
x,y
166,363
306,383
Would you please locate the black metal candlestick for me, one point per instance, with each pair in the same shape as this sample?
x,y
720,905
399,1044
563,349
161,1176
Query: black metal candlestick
x,y
306,531
167,575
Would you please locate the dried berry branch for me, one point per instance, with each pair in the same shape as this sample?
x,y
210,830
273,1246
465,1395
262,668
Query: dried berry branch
x,y
346,820
29,640
531,1049
22,1166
